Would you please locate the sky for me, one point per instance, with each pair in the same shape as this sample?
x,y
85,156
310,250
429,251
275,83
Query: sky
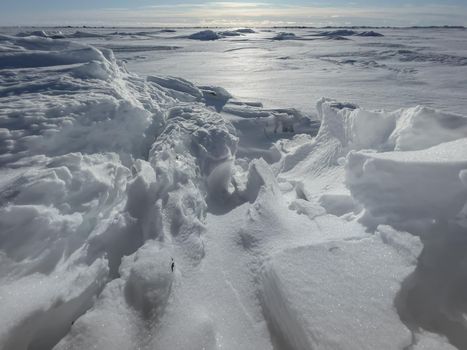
x,y
233,13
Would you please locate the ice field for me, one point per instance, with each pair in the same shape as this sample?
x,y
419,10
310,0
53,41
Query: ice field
x,y
310,186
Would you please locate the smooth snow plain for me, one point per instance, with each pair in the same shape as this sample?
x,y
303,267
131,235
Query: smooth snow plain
x,y
295,221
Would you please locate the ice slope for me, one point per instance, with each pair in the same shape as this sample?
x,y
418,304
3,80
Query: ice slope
x,y
286,232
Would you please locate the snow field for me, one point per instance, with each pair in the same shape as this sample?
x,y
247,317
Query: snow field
x,y
345,232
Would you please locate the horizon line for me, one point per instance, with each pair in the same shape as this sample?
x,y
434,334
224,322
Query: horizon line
x,y
231,26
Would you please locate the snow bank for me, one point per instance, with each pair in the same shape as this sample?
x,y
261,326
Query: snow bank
x,y
78,34
148,279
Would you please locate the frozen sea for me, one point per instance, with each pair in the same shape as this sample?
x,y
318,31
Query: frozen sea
x,y
233,188
403,68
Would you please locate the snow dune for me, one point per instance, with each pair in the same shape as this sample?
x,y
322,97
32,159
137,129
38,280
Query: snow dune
x,y
288,231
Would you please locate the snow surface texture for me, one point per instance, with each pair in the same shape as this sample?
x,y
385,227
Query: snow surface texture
x,y
341,231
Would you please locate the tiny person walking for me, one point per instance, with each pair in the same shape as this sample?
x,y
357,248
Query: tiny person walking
x,y
172,266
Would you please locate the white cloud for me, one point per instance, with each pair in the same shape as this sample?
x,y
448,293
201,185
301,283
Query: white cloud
x,y
229,13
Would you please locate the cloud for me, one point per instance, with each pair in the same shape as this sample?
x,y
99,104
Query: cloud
x,y
231,4
229,13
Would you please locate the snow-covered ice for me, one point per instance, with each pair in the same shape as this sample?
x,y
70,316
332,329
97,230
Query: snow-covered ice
x,y
340,295
293,220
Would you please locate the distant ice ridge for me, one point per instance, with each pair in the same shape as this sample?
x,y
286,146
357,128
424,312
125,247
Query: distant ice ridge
x,y
339,34
346,231
348,32
208,35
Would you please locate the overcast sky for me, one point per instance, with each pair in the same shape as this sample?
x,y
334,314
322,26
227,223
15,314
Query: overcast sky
x,y
233,13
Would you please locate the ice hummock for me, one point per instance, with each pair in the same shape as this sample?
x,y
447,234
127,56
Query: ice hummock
x,y
209,35
205,35
285,231
285,36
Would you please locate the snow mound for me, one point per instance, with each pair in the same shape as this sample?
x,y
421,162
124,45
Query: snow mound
x,y
78,34
229,33
339,32
148,279
401,130
370,33
208,35
245,30
205,35
285,36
